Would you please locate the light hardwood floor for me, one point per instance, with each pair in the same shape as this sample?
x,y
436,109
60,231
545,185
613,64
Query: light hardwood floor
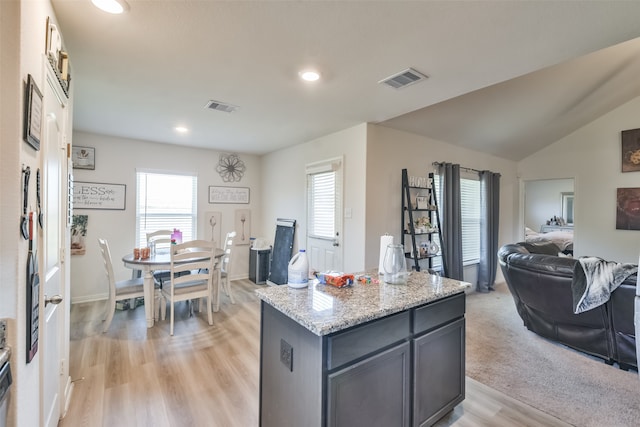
x,y
206,375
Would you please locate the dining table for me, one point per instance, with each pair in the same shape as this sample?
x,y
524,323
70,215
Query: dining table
x,y
159,261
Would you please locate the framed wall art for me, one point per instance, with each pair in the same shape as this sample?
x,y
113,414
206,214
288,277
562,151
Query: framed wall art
x,y
628,209
213,225
79,234
32,114
97,195
242,227
228,194
83,157
630,150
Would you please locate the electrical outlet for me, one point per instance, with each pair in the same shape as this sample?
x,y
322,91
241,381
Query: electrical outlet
x,y
286,354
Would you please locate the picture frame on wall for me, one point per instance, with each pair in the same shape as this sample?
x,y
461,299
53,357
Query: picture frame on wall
x,y
242,225
213,225
628,208
83,157
630,150
32,114
99,195
238,195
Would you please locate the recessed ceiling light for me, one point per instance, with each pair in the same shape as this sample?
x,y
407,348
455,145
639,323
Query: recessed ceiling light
x,y
309,75
111,6
181,129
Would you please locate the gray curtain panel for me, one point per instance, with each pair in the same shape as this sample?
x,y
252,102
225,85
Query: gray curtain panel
x,y
451,219
489,224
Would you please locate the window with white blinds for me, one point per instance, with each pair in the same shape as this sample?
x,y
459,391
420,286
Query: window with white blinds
x,y
322,204
164,202
470,212
470,206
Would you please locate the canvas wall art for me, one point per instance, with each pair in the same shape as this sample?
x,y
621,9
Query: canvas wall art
x,y
628,209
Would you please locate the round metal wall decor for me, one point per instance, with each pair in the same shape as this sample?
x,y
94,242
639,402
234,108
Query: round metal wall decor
x,y
230,167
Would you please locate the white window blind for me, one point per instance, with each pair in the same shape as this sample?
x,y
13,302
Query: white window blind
x,y
470,206
470,212
322,204
164,202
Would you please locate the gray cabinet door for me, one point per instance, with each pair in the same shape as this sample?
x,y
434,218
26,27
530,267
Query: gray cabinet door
x,y
372,392
438,367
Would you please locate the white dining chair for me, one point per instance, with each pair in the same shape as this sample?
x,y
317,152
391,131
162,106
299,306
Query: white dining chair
x,y
196,257
162,241
161,238
118,290
224,269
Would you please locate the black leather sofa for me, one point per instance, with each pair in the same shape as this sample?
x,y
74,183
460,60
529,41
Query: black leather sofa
x,y
540,283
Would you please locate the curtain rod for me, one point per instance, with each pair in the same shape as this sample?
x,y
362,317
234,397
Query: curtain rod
x,y
461,167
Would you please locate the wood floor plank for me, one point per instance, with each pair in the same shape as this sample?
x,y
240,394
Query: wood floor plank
x,y
207,375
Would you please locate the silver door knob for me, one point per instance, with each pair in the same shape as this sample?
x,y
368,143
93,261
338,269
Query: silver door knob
x,y
56,299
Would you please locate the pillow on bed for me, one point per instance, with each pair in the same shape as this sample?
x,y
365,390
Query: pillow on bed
x,y
563,239
529,232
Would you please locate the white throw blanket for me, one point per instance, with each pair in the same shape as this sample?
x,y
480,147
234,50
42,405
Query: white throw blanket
x,y
594,279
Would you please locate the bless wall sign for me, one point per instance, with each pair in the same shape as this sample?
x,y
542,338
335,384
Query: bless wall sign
x,y
96,195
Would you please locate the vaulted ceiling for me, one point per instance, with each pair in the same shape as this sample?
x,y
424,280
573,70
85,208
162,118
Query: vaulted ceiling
x,y
505,77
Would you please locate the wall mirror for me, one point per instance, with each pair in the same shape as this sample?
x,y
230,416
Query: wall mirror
x,y
567,207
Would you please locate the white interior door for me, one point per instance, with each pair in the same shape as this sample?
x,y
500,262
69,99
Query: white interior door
x,y
51,268
324,215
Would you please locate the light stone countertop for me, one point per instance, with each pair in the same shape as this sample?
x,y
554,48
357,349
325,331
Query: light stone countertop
x,y
324,309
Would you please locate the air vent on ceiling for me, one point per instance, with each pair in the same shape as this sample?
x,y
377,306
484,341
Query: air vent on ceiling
x,y
221,106
403,78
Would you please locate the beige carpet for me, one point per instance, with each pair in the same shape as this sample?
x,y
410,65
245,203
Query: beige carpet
x,y
569,385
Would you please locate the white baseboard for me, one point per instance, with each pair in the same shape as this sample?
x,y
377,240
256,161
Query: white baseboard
x,y
89,298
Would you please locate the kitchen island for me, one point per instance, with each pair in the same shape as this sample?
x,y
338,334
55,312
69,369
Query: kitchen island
x,y
372,354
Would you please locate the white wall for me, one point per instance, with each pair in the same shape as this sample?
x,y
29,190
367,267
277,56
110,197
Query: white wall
x,y
389,151
284,188
374,159
116,162
592,155
22,35
543,200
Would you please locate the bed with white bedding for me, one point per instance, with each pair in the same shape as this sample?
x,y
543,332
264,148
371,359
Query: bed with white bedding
x,y
562,239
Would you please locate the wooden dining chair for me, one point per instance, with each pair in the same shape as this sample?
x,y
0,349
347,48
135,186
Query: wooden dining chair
x,y
224,269
118,290
196,257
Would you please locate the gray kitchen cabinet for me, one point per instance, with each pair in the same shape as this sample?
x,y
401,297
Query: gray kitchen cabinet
x,y
355,394
400,370
438,359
